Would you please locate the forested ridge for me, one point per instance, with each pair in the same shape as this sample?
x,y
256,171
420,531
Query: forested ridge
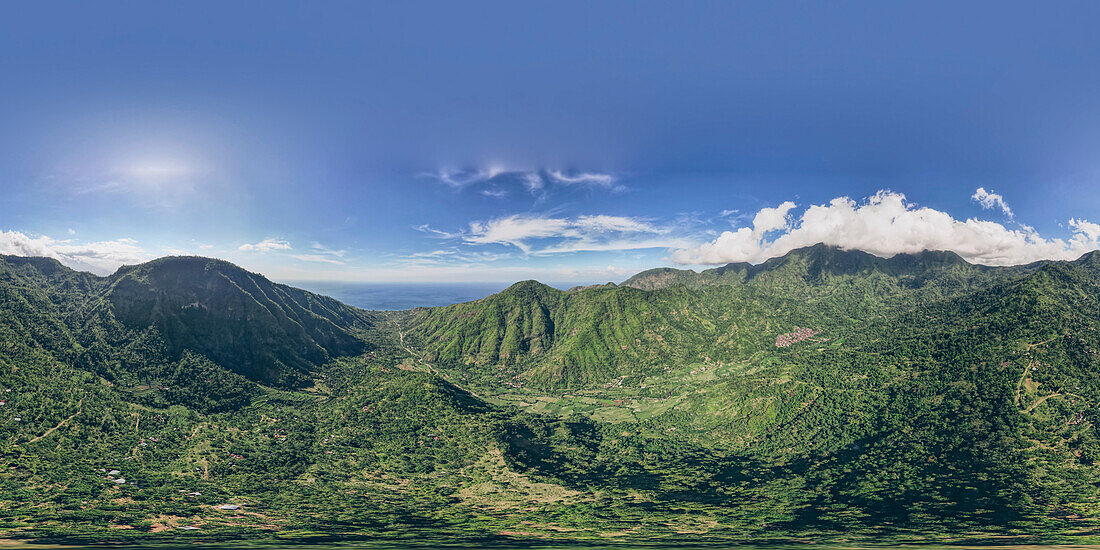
x,y
824,395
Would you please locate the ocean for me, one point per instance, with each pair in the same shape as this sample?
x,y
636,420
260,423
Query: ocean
x,y
395,296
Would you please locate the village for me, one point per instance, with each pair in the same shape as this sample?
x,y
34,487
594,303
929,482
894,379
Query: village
x,y
799,334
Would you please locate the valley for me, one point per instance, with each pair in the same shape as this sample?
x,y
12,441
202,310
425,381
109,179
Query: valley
x,y
827,394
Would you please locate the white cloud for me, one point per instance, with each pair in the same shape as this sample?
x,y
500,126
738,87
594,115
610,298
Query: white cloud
x,y
322,254
435,233
495,192
266,245
886,224
602,222
321,258
587,245
101,257
549,235
772,219
989,199
451,257
1085,234
582,178
460,179
534,181
433,254
326,250
517,230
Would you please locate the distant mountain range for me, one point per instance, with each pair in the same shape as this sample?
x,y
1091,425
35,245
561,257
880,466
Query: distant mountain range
x,y
826,394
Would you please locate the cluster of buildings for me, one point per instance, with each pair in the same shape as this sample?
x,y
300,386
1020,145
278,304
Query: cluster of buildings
x,y
799,334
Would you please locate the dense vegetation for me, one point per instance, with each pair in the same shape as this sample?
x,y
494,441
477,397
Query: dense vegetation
x,y
911,398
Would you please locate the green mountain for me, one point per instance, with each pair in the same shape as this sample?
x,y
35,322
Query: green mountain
x,y
241,321
819,263
827,395
537,335
175,318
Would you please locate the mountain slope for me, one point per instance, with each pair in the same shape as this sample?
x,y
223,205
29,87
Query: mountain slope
x,y
818,264
533,333
264,331
827,395
150,315
586,337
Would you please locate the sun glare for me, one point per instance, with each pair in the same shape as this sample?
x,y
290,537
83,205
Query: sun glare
x,y
156,170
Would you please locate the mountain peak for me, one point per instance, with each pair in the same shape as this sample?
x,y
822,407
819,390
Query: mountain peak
x,y
530,286
660,277
208,306
45,266
813,263
1089,259
182,265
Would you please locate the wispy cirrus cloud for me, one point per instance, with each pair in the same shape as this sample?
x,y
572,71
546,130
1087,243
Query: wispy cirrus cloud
x,y
267,245
495,192
435,233
452,256
462,178
886,224
493,180
319,258
322,254
518,230
538,234
593,179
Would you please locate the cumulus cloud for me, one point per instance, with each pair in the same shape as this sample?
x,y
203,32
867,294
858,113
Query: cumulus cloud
x,y
772,219
989,200
884,225
101,257
550,235
1085,234
495,178
266,245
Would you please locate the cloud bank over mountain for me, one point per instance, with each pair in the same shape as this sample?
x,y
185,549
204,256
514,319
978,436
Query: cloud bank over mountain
x,y
886,224
101,258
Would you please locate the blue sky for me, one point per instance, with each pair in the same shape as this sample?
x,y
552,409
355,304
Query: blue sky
x,y
559,141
